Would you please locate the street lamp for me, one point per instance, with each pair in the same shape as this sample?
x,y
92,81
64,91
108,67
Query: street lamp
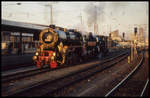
x,y
18,3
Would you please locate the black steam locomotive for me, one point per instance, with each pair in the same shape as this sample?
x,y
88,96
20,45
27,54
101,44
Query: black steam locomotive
x,y
61,46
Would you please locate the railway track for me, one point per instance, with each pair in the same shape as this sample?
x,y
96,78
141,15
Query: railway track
x,y
15,75
50,86
11,67
145,86
127,86
19,75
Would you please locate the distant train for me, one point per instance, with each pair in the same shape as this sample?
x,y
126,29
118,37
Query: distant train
x,y
61,46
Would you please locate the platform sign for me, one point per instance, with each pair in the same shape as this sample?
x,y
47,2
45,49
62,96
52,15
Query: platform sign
x,y
23,34
27,34
15,33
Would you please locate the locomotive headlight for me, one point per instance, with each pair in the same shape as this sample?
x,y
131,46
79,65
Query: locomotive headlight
x,y
34,57
36,53
52,57
54,54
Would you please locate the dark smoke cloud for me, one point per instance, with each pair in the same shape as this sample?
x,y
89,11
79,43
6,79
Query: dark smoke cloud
x,y
93,12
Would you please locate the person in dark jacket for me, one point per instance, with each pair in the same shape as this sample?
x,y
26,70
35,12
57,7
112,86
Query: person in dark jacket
x,y
19,48
10,48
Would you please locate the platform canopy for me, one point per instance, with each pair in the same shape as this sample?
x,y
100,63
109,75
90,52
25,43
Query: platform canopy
x,y
7,25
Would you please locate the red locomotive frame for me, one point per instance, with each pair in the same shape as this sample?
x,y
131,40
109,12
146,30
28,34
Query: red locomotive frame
x,y
48,58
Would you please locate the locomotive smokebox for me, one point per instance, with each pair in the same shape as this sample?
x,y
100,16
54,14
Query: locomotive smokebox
x,y
48,37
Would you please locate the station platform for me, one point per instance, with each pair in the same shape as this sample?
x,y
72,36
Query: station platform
x,y
10,61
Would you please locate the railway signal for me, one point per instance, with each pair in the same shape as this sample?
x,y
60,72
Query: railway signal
x,y
135,31
129,59
110,35
123,35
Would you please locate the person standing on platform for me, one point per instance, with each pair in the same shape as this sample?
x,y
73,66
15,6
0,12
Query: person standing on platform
x,y
10,48
19,49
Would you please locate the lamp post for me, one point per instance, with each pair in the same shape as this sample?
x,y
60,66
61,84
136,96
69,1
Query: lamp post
x,y
51,11
51,7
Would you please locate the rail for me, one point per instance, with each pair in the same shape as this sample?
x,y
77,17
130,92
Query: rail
x,y
112,90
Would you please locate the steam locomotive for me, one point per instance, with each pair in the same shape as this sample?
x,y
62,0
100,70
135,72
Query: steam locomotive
x,y
61,46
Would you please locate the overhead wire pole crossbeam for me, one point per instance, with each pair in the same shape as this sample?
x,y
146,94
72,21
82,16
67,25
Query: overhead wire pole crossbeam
x,y
111,19
51,7
51,19
109,16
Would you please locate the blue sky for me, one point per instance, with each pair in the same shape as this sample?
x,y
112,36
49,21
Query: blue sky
x,y
108,15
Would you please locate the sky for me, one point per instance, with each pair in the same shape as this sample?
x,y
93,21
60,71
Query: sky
x,y
109,16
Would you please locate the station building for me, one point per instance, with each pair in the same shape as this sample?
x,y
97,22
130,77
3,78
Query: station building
x,y
19,37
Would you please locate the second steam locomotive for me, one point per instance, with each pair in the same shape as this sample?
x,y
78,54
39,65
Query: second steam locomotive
x,y
61,46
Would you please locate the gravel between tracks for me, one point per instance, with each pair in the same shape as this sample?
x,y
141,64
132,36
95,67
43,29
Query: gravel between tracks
x,y
101,83
135,84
